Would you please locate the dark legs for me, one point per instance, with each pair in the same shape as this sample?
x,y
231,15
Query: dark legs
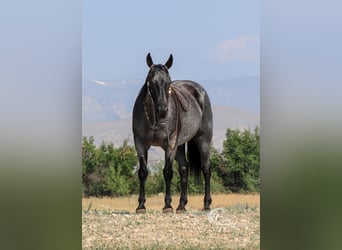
x,y
142,177
183,172
204,150
143,172
207,196
204,153
142,155
199,153
168,174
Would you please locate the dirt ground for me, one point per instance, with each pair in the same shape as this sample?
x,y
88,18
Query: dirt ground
x,y
111,223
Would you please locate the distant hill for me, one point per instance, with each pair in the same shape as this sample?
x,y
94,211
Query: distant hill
x,y
106,101
243,93
120,130
107,108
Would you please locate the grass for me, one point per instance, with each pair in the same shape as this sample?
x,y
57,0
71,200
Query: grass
x,y
111,223
156,203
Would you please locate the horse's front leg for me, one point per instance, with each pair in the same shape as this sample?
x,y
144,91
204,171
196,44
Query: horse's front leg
x,y
143,172
168,174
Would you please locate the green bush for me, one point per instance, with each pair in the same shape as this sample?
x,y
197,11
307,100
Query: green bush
x,y
107,170
115,183
239,164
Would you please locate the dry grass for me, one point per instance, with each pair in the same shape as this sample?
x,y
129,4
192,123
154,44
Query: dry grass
x,y
156,203
233,223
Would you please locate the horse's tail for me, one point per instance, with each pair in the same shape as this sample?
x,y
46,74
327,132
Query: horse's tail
x,y
194,160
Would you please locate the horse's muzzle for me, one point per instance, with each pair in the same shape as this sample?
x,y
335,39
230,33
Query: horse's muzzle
x,y
162,111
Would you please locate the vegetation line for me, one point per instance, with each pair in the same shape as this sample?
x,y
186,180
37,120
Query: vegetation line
x,y
111,171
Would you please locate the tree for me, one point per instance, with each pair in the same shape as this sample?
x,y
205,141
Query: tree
x,y
119,176
107,170
89,163
239,164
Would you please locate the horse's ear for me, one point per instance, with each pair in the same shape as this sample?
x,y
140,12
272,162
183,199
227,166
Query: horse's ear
x,y
168,64
149,60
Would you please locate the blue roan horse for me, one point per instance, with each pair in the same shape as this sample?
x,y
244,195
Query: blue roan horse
x,y
173,115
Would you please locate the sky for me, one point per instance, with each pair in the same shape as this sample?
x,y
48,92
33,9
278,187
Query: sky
x,y
209,40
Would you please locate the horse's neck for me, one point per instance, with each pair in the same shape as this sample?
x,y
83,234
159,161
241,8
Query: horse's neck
x,y
149,108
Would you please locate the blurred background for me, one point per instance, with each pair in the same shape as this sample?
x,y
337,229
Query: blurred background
x,y
41,123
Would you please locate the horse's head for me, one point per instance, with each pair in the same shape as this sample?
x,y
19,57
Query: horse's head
x,y
158,81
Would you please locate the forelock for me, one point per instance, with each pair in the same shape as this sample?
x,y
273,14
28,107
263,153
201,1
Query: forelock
x,y
159,71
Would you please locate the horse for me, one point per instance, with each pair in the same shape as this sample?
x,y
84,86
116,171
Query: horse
x,y
176,116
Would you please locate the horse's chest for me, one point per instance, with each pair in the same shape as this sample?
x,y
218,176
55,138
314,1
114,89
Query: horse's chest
x,y
156,138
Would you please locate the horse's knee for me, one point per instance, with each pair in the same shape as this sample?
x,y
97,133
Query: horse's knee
x,y
168,173
206,169
143,173
183,170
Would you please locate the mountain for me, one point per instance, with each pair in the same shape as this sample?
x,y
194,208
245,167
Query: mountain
x,y
105,101
234,118
120,130
243,93
107,108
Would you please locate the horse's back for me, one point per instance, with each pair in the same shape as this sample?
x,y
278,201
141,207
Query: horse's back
x,y
198,114
191,89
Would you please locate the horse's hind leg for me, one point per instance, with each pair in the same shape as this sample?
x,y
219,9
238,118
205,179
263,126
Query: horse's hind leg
x,y
204,150
183,172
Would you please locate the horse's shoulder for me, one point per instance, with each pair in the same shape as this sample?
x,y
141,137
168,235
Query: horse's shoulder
x,y
187,91
181,94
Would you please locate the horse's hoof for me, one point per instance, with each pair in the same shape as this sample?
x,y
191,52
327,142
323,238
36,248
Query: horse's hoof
x,y
206,209
141,211
180,211
167,210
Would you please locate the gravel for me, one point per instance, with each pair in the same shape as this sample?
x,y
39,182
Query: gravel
x,y
235,227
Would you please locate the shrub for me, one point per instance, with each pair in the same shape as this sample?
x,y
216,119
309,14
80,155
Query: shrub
x,y
107,170
239,164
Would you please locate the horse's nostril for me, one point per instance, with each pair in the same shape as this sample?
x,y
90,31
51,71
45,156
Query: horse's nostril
x,y
162,109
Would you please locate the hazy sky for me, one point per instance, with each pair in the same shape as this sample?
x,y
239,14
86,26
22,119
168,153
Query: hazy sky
x,y
208,39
